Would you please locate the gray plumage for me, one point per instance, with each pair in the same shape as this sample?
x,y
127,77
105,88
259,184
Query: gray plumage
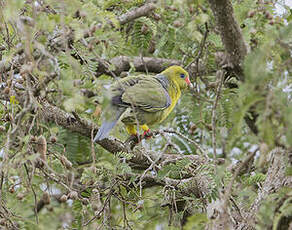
x,y
107,125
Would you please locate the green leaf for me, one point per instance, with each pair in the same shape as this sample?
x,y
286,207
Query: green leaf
x,y
196,222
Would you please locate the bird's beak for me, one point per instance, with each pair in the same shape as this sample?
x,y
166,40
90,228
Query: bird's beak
x,y
188,81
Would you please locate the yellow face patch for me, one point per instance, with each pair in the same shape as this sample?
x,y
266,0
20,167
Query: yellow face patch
x,y
178,75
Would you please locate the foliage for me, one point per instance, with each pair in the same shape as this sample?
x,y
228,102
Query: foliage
x,y
69,38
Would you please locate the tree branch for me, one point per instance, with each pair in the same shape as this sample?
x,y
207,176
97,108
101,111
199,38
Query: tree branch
x,y
122,63
82,126
234,44
136,13
230,33
52,113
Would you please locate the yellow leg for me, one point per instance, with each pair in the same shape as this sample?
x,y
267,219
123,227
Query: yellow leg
x,y
131,129
144,127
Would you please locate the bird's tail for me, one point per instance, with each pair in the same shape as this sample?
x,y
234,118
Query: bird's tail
x,y
107,126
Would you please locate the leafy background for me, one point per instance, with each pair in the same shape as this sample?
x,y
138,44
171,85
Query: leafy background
x,y
67,37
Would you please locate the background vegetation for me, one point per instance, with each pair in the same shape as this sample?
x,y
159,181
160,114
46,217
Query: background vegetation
x,y
222,159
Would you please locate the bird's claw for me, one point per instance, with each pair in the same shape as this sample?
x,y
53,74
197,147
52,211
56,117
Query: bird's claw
x,y
132,141
136,139
147,134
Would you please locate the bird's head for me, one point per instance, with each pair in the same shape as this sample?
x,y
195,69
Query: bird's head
x,y
179,75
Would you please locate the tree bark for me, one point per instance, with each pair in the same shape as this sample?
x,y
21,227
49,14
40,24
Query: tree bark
x,y
230,33
136,13
145,64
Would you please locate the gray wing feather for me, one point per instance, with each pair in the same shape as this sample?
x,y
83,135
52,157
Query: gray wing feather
x,y
107,126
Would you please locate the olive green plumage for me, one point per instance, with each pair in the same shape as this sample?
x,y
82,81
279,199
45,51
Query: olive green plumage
x,y
143,100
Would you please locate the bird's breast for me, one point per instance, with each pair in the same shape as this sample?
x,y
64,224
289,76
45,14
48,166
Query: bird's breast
x,y
174,93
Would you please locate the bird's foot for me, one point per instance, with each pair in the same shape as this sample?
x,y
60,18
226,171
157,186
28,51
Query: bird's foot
x,y
136,139
132,141
147,134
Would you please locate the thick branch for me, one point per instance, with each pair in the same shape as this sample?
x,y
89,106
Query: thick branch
x,y
82,126
230,33
122,63
234,45
136,13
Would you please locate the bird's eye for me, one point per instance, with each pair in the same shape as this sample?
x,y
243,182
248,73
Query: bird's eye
x,y
182,75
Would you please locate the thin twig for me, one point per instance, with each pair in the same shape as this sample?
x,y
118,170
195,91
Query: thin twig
x,y
169,143
228,190
220,78
145,66
185,137
202,45
92,151
103,208
58,181
148,169
42,85
126,222
1,184
123,200
34,194
7,213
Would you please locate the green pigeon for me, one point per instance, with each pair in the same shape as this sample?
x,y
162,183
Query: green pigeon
x,y
142,100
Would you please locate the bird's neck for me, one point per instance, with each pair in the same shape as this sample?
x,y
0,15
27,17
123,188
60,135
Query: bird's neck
x,y
174,91
171,87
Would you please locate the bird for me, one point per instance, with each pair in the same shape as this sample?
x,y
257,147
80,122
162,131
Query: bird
x,y
142,100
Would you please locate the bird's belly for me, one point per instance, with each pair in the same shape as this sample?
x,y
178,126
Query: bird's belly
x,y
141,117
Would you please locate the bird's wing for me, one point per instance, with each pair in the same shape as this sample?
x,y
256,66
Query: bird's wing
x,y
141,91
147,94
